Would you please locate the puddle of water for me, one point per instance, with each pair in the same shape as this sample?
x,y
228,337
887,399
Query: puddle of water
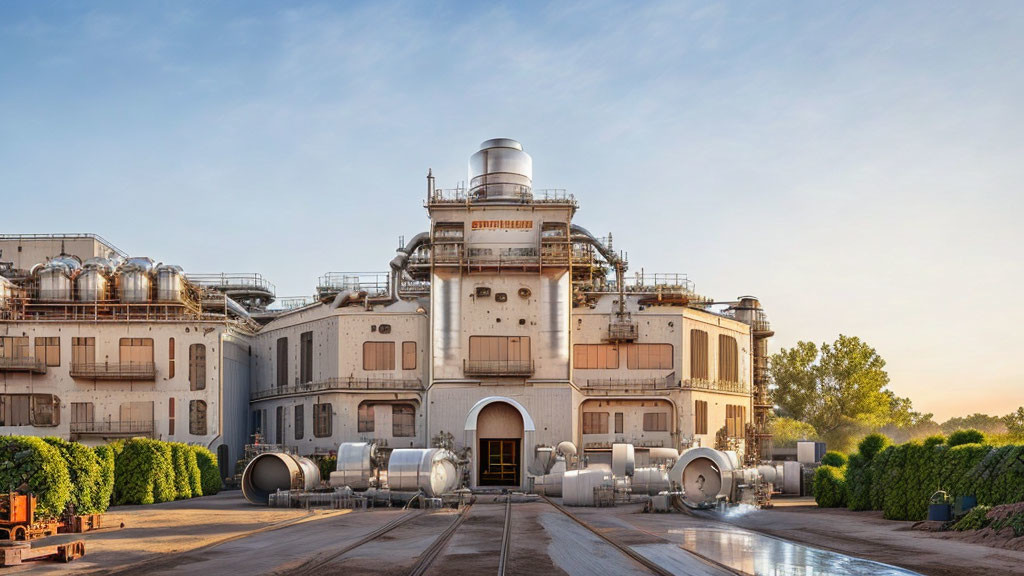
x,y
762,555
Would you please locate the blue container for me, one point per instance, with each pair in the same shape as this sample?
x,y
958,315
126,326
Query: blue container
x,y
964,504
940,512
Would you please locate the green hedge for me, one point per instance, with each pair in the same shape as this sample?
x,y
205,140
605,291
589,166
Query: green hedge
x,y
144,473
27,464
195,477
84,472
968,436
208,469
182,483
830,487
105,458
899,480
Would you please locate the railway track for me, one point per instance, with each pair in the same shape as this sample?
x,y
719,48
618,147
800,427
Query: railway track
x,y
426,559
313,565
506,538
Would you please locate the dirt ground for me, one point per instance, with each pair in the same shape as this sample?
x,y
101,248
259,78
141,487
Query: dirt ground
x,y
223,534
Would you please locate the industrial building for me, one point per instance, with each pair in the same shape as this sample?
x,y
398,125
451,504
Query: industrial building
x,y
504,324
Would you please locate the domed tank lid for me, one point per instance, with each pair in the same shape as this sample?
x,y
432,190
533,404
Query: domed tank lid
x,y
64,263
137,264
501,143
170,268
98,263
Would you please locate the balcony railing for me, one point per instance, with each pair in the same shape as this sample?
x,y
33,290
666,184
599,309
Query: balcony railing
x,y
498,367
22,364
113,428
715,386
338,384
115,371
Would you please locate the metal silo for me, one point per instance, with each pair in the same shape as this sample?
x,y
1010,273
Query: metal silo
x,y
93,282
56,278
500,170
169,282
134,280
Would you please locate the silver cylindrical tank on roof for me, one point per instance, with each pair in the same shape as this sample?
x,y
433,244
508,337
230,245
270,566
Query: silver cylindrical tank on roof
x,y
56,278
355,465
273,471
431,470
500,170
578,485
93,281
650,480
134,280
169,282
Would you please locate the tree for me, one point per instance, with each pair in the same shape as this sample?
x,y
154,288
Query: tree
x,y
839,388
1014,422
982,422
786,432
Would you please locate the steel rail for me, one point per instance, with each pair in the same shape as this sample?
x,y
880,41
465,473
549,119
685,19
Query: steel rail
x,y
506,538
313,565
431,553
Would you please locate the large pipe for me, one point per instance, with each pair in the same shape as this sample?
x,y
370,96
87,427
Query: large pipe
x,y
398,265
346,297
581,234
272,471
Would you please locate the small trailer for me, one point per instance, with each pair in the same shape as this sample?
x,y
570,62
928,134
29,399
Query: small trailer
x,y
18,520
15,553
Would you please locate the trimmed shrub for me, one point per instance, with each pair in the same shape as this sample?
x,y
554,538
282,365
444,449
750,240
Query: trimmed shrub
x,y
144,473
858,483
195,477
936,440
833,458
327,465
27,464
969,436
872,444
84,472
829,487
182,483
105,488
208,469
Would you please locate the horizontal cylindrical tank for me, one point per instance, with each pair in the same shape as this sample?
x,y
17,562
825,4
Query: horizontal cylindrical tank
x,y
93,282
650,480
578,485
355,465
273,471
430,470
566,448
169,282
55,278
706,476
663,454
134,280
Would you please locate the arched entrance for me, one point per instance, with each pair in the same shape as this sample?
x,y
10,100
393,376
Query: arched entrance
x,y
499,430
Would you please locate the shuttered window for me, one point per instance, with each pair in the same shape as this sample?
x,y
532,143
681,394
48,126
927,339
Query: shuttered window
x,y
14,347
83,350
595,422
323,418
595,356
282,362
170,358
300,421
728,359
378,355
48,350
306,357
648,356
29,410
279,425
403,420
700,417
365,418
197,417
408,355
618,422
656,422
82,412
197,367
735,420
136,351
499,348
698,354
170,416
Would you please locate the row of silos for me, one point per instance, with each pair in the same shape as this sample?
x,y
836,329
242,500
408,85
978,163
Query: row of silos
x,y
131,281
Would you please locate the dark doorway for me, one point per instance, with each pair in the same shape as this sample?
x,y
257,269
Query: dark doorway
x,y
499,462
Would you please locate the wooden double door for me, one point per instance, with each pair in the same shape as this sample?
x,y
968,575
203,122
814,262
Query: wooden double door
x,y
499,462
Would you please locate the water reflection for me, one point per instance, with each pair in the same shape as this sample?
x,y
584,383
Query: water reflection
x,y
762,555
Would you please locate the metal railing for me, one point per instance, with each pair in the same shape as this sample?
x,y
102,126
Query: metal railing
x,y
121,427
113,371
631,383
498,367
715,386
525,196
22,364
332,384
373,283
233,281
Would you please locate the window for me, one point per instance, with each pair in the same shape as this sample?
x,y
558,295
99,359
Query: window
x,y
378,355
82,413
700,417
14,347
698,354
618,422
136,351
170,416
259,422
306,357
170,358
595,357
384,329
279,426
83,350
728,359
134,414
595,422
735,420
403,420
501,297
29,410
197,367
365,418
322,420
282,362
648,356
48,350
408,355
499,348
656,422
197,417
300,423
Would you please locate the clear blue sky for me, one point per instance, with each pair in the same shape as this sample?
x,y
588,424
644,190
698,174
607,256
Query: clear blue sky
x,y
858,166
